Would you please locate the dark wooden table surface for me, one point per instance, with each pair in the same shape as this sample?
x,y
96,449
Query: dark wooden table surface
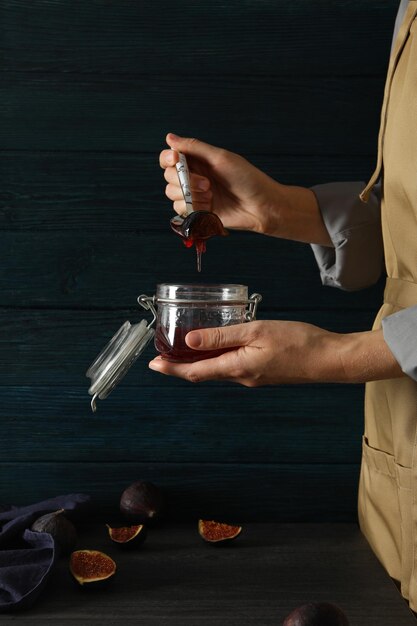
x,y
176,579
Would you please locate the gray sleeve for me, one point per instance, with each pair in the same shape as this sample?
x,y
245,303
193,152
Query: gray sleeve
x,y
400,333
356,260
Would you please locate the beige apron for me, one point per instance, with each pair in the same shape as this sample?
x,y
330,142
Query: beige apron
x,y
388,481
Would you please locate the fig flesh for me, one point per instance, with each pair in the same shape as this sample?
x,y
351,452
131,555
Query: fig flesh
x,y
316,614
216,532
128,536
142,503
91,567
61,529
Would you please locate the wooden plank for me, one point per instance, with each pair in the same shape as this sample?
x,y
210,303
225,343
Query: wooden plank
x,y
246,492
176,580
110,270
285,115
55,348
125,192
126,37
300,424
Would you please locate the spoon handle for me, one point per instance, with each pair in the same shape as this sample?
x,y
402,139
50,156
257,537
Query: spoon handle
x,y
184,178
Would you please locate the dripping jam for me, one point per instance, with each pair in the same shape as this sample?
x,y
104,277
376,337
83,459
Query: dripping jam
x,y
196,228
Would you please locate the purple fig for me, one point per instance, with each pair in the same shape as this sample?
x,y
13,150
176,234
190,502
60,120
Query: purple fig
x,y
61,529
316,614
142,503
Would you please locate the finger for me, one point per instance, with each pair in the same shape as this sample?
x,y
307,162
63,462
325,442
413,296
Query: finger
x,y
168,158
197,182
174,192
191,146
219,337
178,370
219,368
180,208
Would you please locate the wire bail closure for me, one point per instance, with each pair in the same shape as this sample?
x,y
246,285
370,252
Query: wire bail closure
x,y
149,303
253,302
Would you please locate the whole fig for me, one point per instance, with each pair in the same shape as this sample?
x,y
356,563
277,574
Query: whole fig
x,y
316,614
61,529
142,503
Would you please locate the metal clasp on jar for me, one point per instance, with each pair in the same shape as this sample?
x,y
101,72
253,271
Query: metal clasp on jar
x,y
253,302
149,303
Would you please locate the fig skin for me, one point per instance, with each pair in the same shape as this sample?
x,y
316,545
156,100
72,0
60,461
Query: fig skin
x,y
130,544
143,503
316,614
61,529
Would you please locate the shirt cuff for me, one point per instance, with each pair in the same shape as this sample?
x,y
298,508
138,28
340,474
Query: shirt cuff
x,y
356,261
400,333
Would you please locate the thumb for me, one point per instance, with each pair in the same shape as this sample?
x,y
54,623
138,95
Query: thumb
x,y
216,338
191,146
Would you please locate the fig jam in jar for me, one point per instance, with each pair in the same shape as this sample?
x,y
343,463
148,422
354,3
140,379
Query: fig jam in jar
x,y
182,308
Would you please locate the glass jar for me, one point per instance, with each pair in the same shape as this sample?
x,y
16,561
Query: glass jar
x,y
177,309
182,308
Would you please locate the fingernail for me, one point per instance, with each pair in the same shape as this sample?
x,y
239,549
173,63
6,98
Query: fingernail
x,y
203,184
194,339
170,158
153,365
172,136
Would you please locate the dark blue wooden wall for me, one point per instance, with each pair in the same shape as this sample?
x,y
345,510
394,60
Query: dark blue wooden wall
x,y
88,92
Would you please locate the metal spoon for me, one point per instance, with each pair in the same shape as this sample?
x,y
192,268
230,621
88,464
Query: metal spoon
x,y
195,227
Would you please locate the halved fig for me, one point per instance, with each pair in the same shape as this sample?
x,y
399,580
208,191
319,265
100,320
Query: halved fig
x,y
216,532
127,536
91,567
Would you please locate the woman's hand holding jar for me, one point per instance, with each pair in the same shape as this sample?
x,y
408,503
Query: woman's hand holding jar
x,y
281,352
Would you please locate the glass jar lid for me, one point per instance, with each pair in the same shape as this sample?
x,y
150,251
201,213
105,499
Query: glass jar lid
x,y
116,358
192,292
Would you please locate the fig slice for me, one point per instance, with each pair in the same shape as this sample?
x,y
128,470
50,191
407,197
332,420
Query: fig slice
x,y
91,567
216,532
127,536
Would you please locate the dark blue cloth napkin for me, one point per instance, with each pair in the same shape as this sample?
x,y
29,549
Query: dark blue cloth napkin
x,y
27,557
